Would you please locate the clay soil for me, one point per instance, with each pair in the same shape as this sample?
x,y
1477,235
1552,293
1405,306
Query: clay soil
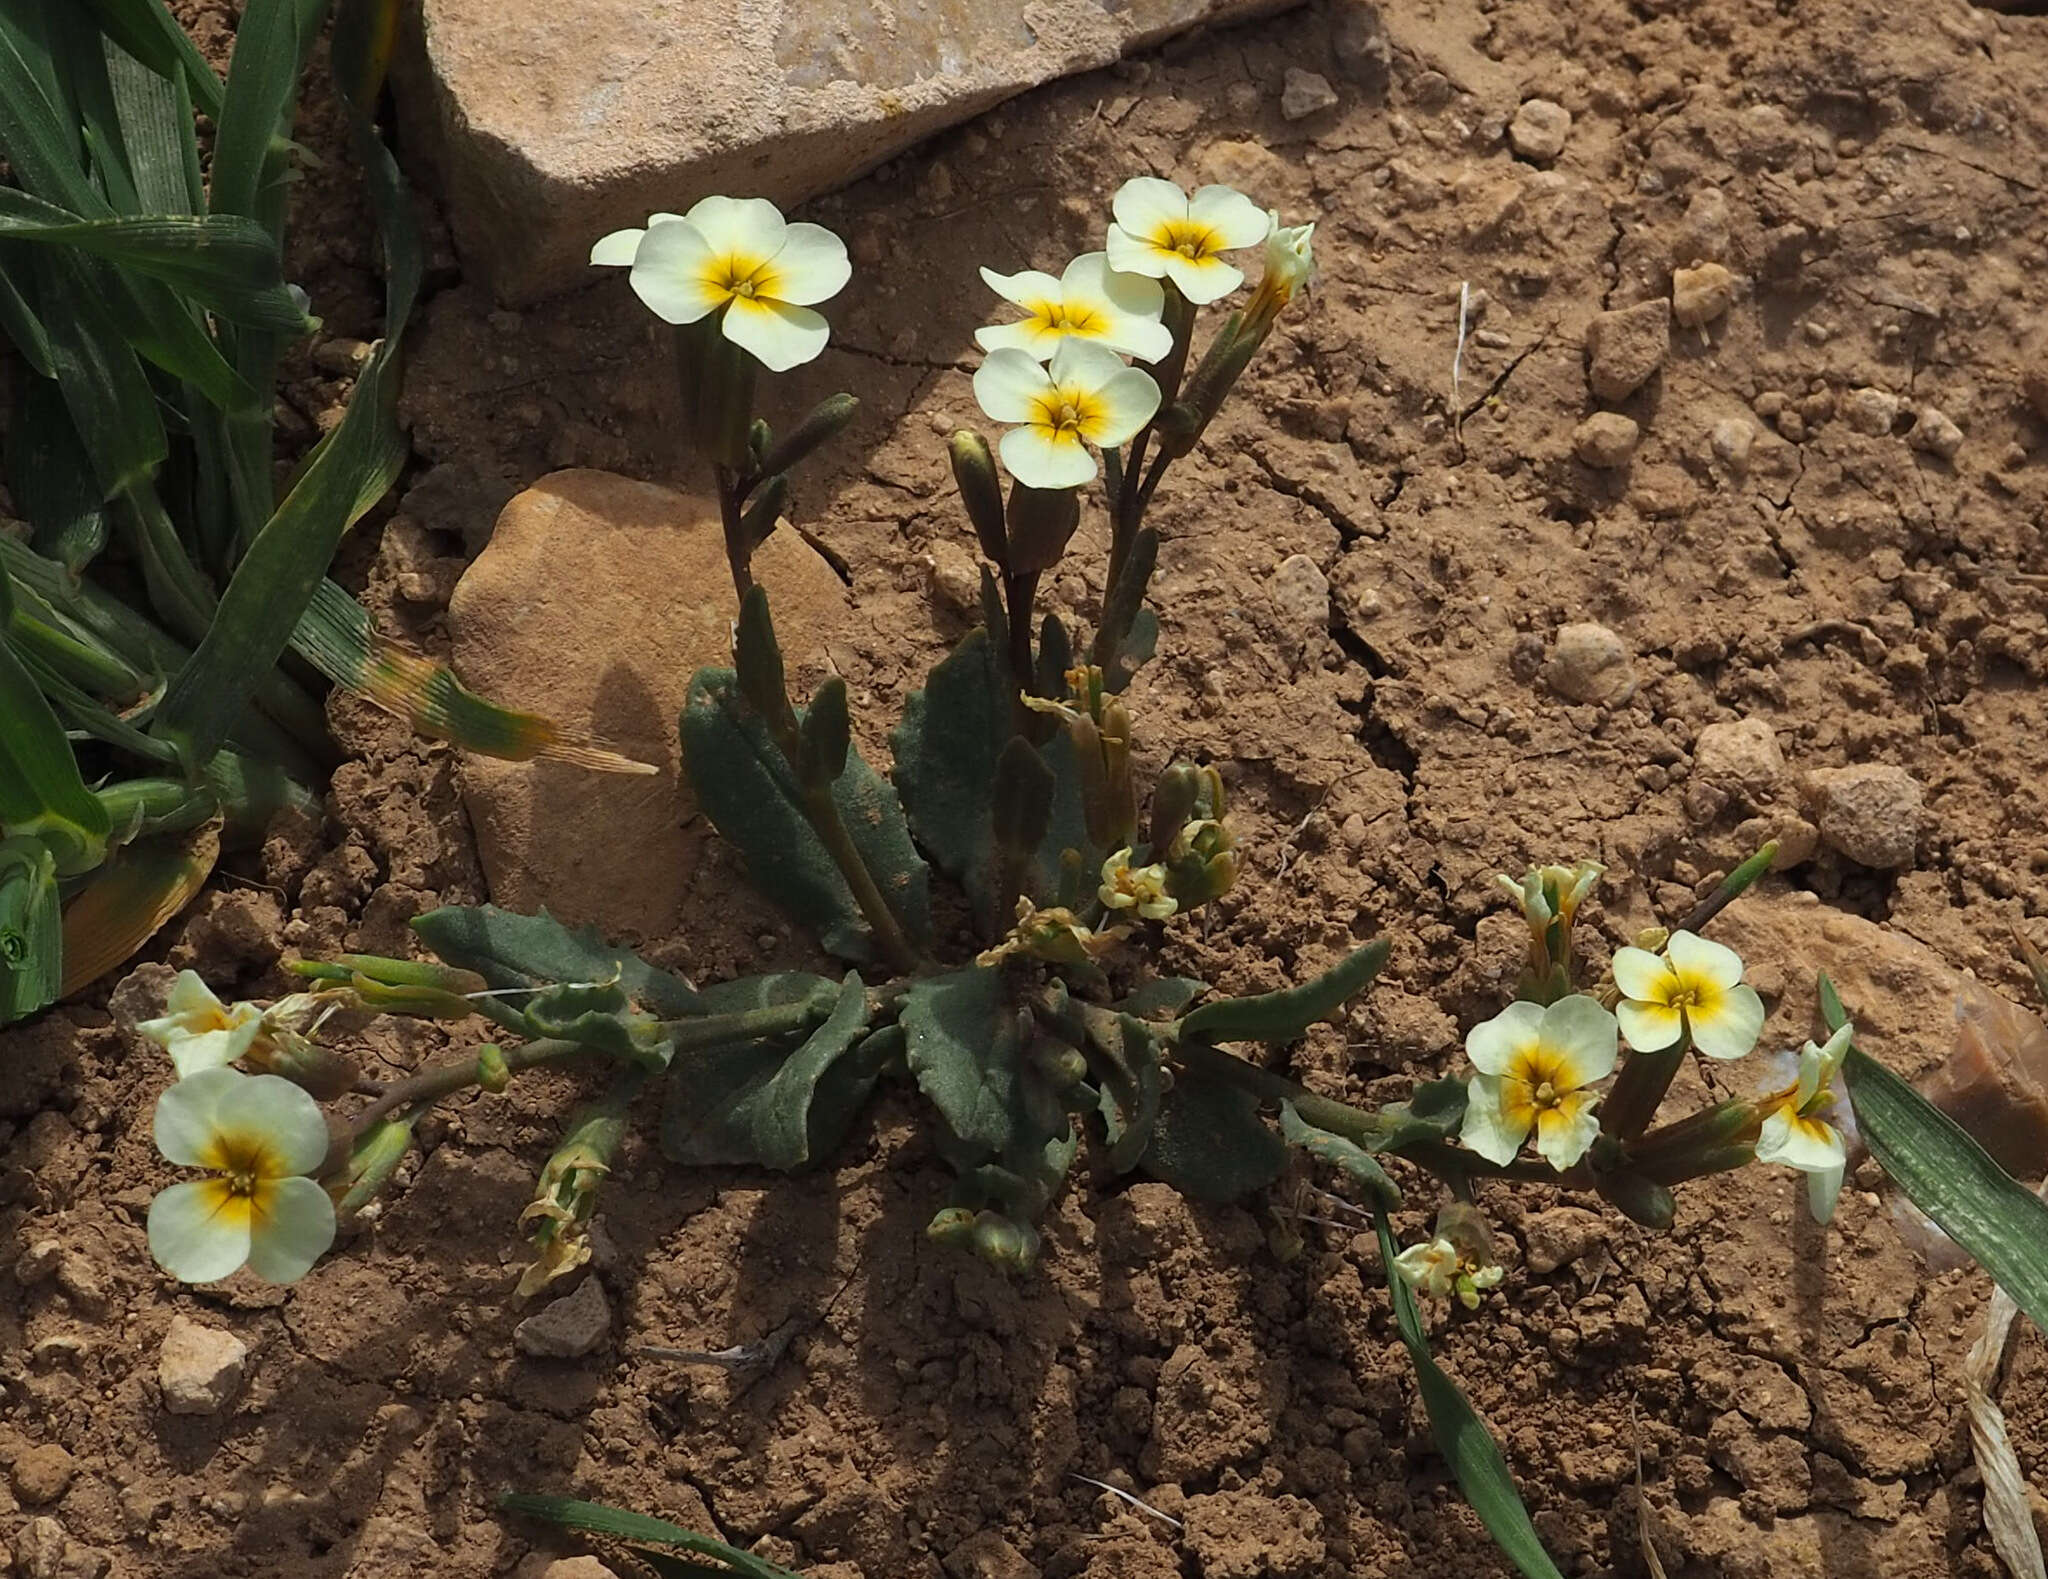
x,y
1787,1399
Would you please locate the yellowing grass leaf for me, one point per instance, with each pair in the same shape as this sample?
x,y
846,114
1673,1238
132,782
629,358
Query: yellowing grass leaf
x,y
140,888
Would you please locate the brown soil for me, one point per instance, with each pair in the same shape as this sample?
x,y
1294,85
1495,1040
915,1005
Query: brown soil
x,y
1792,1397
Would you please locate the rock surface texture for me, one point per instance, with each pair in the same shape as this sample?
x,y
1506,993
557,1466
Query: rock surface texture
x,y
595,602
554,124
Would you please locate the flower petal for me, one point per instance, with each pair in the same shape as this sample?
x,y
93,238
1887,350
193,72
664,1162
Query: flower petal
x,y
1493,1044
1649,1027
1235,218
1641,975
1808,1144
672,273
293,1227
1027,288
1729,1027
1129,254
1566,1132
1703,958
188,1116
1091,275
753,227
617,249
812,266
1202,280
1028,335
1084,364
1823,1189
1129,399
1038,458
212,1049
199,1230
1010,385
1585,1039
189,994
778,336
1145,205
288,1121
1488,1130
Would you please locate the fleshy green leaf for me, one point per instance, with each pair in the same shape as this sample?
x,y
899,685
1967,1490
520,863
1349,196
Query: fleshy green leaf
x,y
41,793
1340,1153
1127,1060
1433,1112
967,1053
754,1104
1284,1015
635,1529
31,929
1462,1437
511,950
745,787
1210,1142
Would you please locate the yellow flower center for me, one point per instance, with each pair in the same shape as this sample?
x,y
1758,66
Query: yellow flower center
x,y
1069,413
1073,318
1540,1073
736,276
244,1162
1188,238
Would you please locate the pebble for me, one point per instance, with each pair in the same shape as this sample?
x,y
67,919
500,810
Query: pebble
x,y
199,1368
1733,439
1742,752
1559,1237
577,1568
1870,812
568,1328
1302,592
1703,233
1700,295
1935,433
342,358
1871,411
1624,347
956,580
43,1473
42,1550
987,1555
1305,93
1358,37
1539,129
1606,440
1589,663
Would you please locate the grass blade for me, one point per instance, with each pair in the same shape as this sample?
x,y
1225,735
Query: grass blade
x,y
41,793
1947,1174
155,115
255,112
30,928
129,898
18,320
147,31
637,1529
1462,1437
51,477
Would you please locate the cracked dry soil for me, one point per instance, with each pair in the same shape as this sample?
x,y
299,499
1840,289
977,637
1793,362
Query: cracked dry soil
x,y
1873,178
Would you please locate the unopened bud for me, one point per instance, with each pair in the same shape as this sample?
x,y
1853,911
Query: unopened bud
x,y
981,492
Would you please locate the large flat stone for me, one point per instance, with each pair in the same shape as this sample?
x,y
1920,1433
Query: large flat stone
x,y
553,124
596,600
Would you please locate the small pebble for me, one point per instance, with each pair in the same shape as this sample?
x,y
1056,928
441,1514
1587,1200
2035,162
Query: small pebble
x,y
1870,812
1700,295
568,1328
199,1368
1625,347
43,1473
1606,440
1539,129
1871,411
1589,663
1732,439
1935,433
1305,93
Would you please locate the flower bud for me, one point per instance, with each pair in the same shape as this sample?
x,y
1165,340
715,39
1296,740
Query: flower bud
x,y
1004,1242
974,474
1290,265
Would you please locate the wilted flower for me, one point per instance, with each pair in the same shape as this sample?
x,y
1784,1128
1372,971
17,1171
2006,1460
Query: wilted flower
x,y
1162,232
1089,301
1536,1067
738,257
1140,888
1290,264
1054,934
198,1030
1088,396
261,1136
1696,986
1441,1269
1796,1131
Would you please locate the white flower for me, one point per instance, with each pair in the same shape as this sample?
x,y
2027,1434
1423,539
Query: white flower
x,y
260,1135
1089,301
1536,1066
1796,1133
1162,232
739,257
198,1030
1140,888
1429,1268
1088,396
617,249
1696,987
1290,264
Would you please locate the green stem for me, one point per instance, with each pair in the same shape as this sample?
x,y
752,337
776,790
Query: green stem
x,y
822,811
1178,314
458,1074
736,555
1639,1089
696,1032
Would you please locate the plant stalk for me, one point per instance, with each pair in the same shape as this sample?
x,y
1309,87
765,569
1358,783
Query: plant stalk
x,y
457,1074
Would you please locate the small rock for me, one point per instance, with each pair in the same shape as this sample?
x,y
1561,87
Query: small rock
x,y
956,580
570,1327
1539,129
1870,812
1700,295
1305,93
43,1473
1743,754
1871,411
342,358
1606,440
199,1368
1359,39
42,1550
577,1568
1560,1236
1733,439
1935,433
38,1262
1589,663
1623,348
986,1555
1302,593
1703,233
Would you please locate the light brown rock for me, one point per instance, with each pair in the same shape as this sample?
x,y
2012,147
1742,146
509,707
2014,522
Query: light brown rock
x,y
1870,812
987,1555
577,1568
553,124
1606,440
1539,130
1589,663
1870,411
1305,93
1700,295
43,1473
1935,432
596,600
1742,755
199,1368
567,1328
1624,347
